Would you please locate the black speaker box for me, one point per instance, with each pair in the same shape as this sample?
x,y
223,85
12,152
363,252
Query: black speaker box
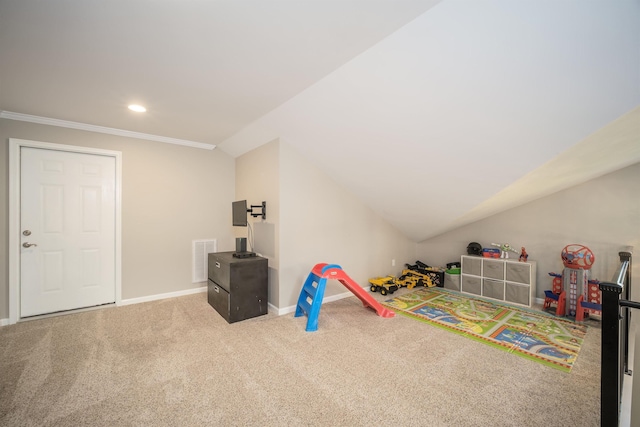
x,y
241,244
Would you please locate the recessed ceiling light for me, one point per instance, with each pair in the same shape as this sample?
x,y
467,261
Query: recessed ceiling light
x,y
137,108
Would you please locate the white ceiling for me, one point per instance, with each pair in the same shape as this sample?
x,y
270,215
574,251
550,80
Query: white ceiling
x,y
204,68
430,112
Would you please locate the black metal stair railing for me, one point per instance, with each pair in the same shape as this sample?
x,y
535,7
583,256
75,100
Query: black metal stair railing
x,y
615,340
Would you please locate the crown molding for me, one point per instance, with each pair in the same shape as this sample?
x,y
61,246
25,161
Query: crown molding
x,y
101,129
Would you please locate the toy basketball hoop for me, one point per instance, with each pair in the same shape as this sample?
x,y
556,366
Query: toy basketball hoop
x,y
577,257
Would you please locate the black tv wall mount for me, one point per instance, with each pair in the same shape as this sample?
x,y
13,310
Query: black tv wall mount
x,y
263,213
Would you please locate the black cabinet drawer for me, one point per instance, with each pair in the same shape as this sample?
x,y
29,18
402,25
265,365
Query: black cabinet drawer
x,y
252,306
218,298
220,271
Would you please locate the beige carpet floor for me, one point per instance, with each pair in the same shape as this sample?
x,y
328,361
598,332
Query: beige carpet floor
x,y
176,362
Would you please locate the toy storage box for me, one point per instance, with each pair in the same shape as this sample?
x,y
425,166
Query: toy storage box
x,y
452,281
437,277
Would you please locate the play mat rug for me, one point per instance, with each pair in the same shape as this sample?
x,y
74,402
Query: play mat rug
x,y
541,337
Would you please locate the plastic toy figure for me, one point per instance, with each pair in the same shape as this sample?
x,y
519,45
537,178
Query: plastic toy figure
x,y
524,256
505,248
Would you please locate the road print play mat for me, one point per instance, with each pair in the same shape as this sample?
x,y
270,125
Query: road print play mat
x,y
538,336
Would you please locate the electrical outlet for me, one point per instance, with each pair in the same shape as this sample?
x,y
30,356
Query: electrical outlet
x,y
393,263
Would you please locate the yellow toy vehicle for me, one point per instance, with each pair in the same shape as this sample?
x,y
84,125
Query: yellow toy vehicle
x,y
420,269
412,278
409,279
386,285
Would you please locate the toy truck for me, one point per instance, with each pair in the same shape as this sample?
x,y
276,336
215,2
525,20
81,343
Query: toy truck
x,y
384,285
412,278
409,279
435,274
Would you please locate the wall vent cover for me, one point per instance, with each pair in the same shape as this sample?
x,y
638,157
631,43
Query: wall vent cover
x,y
201,248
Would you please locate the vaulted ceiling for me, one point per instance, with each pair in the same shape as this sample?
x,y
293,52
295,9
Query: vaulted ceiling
x,y
433,113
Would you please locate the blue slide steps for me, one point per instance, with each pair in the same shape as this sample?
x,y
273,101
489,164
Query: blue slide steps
x,y
311,295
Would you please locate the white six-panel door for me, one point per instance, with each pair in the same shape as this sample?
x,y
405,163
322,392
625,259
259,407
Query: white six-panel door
x,y
67,214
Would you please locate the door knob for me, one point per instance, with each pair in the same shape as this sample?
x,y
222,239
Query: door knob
x,y
28,245
26,232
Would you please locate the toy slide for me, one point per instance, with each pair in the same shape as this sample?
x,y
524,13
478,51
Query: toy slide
x,y
312,292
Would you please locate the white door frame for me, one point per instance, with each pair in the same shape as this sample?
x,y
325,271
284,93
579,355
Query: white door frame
x,y
14,215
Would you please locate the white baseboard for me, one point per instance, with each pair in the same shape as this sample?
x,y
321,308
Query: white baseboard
x,y
4,322
292,308
272,308
162,296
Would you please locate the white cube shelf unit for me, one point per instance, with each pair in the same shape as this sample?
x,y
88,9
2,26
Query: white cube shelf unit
x,y
500,279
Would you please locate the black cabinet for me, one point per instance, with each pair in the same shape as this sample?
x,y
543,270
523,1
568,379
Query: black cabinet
x,y
237,287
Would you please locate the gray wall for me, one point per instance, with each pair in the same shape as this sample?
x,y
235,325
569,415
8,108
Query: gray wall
x,y
603,214
171,195
322,222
